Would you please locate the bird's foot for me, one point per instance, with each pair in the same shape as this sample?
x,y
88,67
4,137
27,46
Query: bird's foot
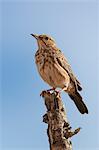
x,y
52,89
55,91
48,91
58,92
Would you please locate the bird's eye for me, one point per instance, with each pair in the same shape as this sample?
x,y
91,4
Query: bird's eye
x,y
46,38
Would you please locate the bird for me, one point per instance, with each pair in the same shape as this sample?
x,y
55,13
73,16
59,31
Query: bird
x,y
55,70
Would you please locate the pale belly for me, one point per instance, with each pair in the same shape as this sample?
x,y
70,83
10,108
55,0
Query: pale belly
x,y
53,74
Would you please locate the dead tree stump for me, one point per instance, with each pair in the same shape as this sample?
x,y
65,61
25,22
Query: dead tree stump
x,y
59,130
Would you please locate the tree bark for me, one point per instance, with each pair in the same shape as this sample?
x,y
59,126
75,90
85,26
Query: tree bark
x,y
59,130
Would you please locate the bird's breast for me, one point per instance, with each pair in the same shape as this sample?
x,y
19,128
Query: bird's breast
x,y
44,65
43,59
50,71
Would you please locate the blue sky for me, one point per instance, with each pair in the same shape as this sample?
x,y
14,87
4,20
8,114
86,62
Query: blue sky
x,y
74,26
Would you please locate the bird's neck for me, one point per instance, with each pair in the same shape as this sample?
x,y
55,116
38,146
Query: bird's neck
x,y
49,48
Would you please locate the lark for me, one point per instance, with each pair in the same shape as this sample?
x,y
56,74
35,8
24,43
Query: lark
x,y
55,70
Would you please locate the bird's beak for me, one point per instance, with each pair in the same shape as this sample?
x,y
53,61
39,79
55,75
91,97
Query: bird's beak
x,y
35,36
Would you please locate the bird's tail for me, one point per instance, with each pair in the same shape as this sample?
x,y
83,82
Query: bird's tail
x,y
76,97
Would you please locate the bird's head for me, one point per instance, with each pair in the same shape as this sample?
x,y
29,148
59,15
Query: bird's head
x,y
44,41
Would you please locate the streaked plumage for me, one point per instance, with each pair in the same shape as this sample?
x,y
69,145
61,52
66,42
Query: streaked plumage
x,y
55,70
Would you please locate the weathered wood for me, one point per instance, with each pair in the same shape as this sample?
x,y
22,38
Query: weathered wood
x,y
59,130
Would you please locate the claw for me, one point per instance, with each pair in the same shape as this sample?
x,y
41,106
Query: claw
x,y
52,89
43,92
58,92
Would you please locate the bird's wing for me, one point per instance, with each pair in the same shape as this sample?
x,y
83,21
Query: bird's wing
x,y
65,65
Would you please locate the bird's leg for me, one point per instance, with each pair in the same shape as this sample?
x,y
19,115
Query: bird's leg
x,y
59,92
64,89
